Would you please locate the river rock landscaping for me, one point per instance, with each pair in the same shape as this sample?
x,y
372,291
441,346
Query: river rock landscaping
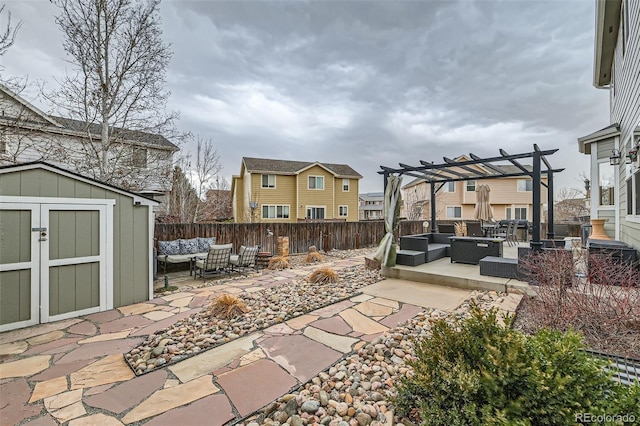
x,y
273,305
357,390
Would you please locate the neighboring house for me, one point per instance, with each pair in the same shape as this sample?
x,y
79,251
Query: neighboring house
x,y
510,198
571,209
137,161
371,206
615,167
290,191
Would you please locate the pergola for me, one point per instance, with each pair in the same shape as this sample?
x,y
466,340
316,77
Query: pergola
x,y
452,171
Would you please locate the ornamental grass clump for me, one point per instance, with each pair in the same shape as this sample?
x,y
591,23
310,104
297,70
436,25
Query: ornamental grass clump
x,y
323,276
313,257
228,306
278,263
477,371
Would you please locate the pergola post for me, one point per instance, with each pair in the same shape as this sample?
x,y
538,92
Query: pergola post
x,y
536,244
550,232
432,203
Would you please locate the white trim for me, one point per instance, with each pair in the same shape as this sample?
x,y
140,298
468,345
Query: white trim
x,y
55,200
136,198
31,265
108,223
316,164
632,219
274,181
446,211
74,260
316,182
275,212
315,207
348,185
346,206
29,105
151,259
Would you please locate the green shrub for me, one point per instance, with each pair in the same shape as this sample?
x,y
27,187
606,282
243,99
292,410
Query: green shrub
x,y
479,372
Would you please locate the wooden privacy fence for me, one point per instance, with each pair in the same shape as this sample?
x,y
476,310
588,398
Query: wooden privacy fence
x,y
323,235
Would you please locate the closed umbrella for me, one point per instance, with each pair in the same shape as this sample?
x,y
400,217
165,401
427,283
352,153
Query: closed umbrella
x,y
385,253
483,211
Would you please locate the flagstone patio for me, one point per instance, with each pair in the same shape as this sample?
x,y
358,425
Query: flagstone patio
x,y
74,370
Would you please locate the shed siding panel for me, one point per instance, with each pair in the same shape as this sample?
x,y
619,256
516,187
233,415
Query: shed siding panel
x,y
10,184
15,296
127,263
140,262
15,233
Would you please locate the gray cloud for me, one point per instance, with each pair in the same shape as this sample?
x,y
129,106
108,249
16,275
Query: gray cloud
x,y
368,83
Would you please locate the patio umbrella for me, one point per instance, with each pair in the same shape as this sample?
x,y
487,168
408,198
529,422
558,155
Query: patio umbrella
x,y
483,211
385,253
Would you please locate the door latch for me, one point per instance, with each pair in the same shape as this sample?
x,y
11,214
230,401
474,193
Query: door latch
x,y
42,231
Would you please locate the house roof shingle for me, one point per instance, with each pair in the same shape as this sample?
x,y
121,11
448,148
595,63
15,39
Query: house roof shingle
x,y
256,165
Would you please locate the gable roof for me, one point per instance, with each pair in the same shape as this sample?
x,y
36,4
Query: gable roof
x,y
611,131
287,167
73,175
67,126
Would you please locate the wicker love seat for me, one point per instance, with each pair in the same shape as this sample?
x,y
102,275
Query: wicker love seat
x,y
423,248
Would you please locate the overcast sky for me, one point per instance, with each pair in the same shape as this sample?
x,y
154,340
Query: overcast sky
x,y
365,83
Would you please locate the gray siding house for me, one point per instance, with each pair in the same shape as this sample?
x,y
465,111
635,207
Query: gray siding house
x,y
69,245
615,194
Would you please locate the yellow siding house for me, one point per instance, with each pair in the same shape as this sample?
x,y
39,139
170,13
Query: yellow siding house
x,y
269,190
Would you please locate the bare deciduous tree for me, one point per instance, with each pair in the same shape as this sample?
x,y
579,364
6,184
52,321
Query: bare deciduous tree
x,y
207,169
8,37
116,89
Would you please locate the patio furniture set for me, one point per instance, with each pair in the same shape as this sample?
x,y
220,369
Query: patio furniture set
x,y
205,257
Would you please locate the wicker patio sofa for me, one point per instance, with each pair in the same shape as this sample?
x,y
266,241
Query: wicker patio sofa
x,y
422,248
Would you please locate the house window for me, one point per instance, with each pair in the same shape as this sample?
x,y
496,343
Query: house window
x,y
315,212
343,211
606,179
449,187
454,212
139,157
345,185
517,213
471,186
525,185
275,212
316,182
268,181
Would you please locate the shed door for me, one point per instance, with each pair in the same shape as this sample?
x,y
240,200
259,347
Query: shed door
x,y
53,262
19,265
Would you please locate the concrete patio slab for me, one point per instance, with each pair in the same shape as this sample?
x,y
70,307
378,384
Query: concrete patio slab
x,y
206,362
420,294
255,385
164,400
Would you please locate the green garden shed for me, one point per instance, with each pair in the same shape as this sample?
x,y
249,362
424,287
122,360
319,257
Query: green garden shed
x,y
70,245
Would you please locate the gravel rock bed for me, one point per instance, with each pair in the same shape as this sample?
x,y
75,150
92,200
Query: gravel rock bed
x,y
357,390
202,330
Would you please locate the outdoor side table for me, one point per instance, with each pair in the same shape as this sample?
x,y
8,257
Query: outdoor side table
x,y
262,259
472,249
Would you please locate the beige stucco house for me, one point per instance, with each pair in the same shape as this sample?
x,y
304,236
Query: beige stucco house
x,y
613,150
511,197
269,190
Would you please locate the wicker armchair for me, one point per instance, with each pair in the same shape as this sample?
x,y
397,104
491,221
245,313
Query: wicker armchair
x,y
217,261
245,258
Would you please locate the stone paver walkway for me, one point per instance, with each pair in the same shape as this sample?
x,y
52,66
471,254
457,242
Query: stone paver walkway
x,y
74,370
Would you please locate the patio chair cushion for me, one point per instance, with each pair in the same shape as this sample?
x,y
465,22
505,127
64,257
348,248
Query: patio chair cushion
x,y
217,258
190,246
246,256
169,247
436,251
204,243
